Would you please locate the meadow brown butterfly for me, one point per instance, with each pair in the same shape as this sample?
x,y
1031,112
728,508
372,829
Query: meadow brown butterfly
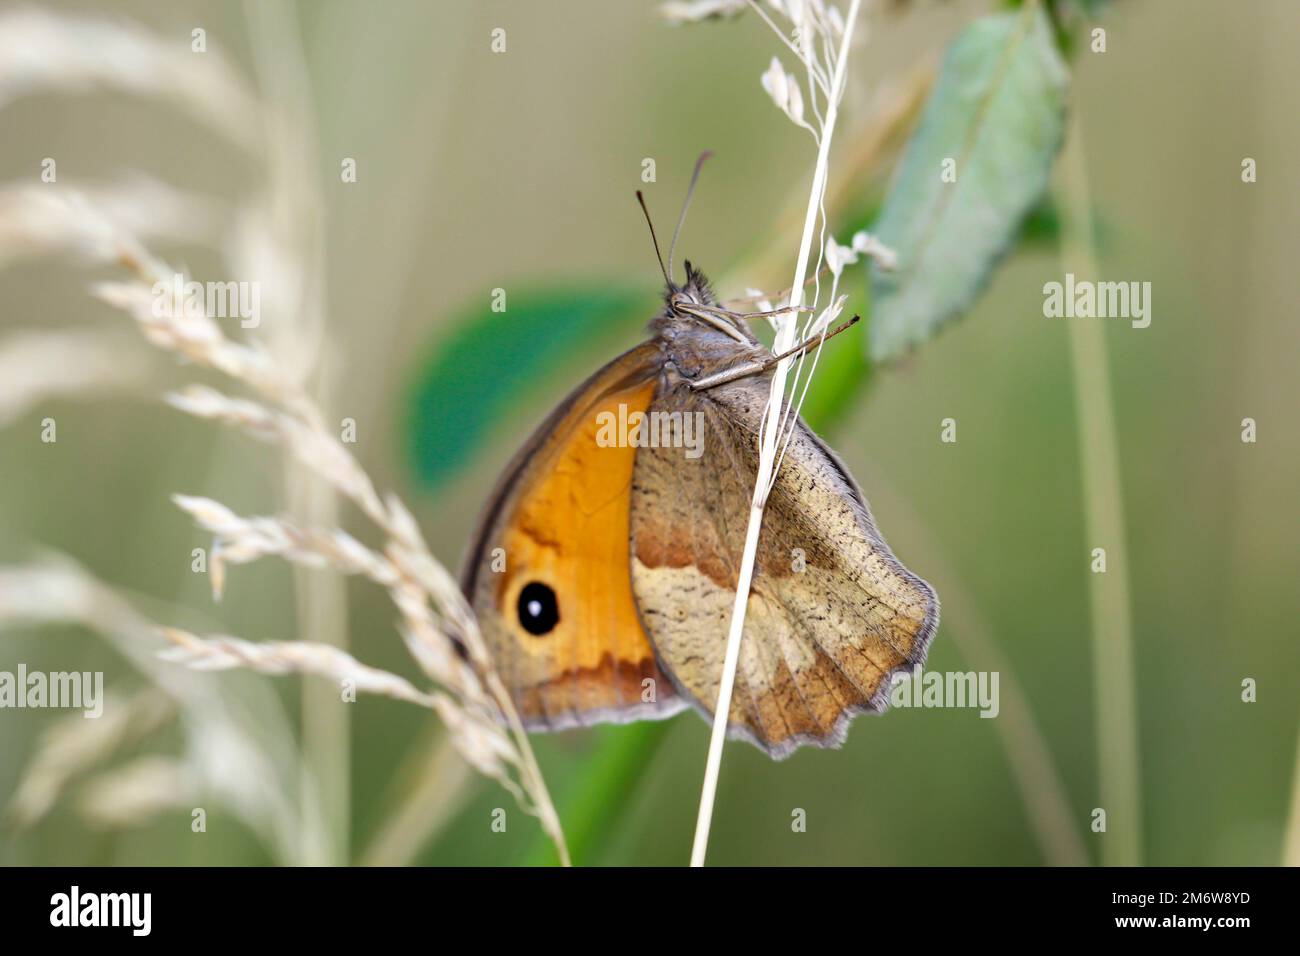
x,y
621,557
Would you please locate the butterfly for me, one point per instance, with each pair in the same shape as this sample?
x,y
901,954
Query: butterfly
x,y
603,572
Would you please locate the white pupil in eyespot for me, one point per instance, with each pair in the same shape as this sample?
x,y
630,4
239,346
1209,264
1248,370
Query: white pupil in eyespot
x,y
535,608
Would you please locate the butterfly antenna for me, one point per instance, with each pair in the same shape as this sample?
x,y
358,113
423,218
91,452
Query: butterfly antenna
x,y
653,238
690,191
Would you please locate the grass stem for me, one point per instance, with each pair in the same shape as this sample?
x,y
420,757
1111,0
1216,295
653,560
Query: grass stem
x,y
1114,682
785,339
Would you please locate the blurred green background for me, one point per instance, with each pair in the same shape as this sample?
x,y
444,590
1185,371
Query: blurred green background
x,y
479,171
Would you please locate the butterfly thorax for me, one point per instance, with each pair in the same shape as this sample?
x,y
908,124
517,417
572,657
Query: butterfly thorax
x,y
697,335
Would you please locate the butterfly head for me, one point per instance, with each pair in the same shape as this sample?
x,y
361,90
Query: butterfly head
x,y
695,291
692,308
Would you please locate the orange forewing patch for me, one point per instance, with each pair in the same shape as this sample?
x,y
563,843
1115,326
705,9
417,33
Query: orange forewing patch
x,y
565,524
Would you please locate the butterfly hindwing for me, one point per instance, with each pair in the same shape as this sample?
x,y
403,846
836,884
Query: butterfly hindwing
x,y
832,614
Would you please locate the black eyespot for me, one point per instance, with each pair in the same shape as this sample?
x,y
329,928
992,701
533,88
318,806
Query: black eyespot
x,y
538,610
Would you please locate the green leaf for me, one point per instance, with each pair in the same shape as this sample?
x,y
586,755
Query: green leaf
x,y
998,110
491,360
1041,228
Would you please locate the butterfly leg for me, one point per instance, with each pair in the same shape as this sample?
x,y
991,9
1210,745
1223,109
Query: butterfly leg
x,y
753,315
745,369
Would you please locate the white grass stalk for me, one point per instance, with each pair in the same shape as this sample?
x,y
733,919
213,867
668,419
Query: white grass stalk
x,y
771,433
288,222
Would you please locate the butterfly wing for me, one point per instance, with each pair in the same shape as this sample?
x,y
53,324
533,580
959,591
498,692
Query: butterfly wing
x,y
560,517
832,613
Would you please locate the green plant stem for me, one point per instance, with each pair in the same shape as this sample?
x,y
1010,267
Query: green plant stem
x,y
1114,682
592,802
1291,842
321,599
